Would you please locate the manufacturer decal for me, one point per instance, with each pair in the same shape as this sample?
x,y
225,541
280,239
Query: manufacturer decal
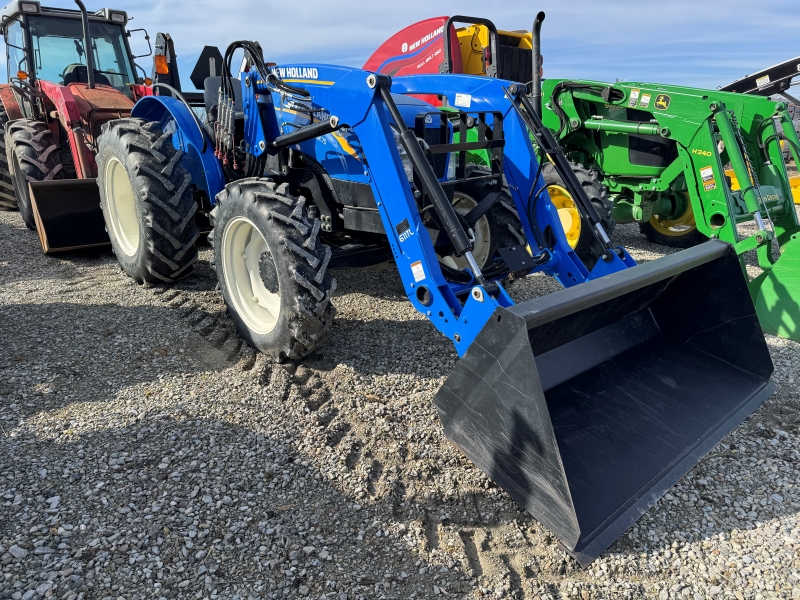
x,y
634,98
463,100
662,101
418,271
298,72
406,47
762,82
404,230
645,101
701,152
707,175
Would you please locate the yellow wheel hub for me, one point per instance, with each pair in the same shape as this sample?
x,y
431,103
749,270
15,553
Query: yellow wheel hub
x,y
567,213
683,225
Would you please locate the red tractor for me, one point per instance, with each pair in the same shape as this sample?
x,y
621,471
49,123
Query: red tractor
x,y
69,73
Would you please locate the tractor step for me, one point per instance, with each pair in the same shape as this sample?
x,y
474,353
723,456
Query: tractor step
x,y
588,404
68,214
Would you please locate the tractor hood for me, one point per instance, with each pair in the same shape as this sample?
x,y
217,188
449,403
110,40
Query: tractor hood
x,y
98,105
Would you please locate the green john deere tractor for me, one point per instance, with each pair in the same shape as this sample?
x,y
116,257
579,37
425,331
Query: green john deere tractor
x,y
662,151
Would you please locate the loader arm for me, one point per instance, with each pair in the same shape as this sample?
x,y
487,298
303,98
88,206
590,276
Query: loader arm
x,y
347,95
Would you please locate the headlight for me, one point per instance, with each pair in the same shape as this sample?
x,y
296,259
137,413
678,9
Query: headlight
x,y
407,167
452,158
117,17
29,7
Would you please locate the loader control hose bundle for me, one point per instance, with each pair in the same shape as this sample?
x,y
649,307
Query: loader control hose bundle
x,y
227,150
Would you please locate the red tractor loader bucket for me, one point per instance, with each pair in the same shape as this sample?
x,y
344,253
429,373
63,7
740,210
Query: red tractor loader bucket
x,y
588,404
68,214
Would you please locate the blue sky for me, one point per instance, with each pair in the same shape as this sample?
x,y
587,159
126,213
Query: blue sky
x,y
702,43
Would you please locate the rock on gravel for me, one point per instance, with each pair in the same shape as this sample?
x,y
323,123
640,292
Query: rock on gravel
x,y
146,452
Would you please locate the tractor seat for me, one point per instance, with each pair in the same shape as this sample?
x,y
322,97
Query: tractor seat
x,y
80,74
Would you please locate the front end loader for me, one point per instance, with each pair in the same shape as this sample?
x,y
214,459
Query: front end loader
x,y
670,158
585,405
69,73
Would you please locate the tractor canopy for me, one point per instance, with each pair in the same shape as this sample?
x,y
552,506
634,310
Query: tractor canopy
x,y
47,44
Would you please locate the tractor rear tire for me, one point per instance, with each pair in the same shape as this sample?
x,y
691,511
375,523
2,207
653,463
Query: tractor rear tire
x,y
589,179
8,199
499,228
272,268
146,200
32,156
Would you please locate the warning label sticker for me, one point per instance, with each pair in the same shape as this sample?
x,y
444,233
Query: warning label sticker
x,y
634,98
463,100
645,101
762,81
417,271
707,175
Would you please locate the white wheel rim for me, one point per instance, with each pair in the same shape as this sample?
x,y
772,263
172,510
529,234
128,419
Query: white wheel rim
x,y
483,236
242,247
121,203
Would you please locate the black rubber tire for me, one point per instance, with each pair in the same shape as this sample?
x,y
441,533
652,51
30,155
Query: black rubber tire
x,y
598,193
8,198
689,240
165,206
32,156
300,262
505,228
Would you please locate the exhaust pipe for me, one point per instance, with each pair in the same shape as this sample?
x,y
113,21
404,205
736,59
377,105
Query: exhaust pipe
x,y
87,44
536,80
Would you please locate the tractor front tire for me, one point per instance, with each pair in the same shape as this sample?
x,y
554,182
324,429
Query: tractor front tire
x,y
32,155
8,198
577,230
272,268
679,233
146,200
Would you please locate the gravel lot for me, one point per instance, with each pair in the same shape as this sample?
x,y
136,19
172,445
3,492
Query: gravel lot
x,y
146,453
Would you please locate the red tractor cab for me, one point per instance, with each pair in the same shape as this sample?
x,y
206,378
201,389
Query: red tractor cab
x,y
69,73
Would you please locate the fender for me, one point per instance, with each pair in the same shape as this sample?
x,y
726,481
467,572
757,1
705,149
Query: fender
x,y
203,166
10,103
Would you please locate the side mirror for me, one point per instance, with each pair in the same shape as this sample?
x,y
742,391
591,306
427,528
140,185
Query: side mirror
x,y
147,39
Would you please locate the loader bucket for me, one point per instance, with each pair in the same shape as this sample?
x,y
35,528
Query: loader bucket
x,y
777,294
68,214
588,404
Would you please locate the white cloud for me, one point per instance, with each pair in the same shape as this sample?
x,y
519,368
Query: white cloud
x,y
704,43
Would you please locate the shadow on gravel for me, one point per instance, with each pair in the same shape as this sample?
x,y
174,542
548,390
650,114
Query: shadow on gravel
x,y
224,486
57,354
252,483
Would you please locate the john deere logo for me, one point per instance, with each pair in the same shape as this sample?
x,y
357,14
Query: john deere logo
x,y
662,102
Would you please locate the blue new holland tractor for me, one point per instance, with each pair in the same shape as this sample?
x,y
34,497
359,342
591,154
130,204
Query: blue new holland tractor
x,y
585,405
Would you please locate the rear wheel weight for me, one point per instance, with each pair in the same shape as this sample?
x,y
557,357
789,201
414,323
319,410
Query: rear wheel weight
x,y
32,155
272,268
8,198
499,228
146,200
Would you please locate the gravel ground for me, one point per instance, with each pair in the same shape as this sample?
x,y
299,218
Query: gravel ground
x,y
146,453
